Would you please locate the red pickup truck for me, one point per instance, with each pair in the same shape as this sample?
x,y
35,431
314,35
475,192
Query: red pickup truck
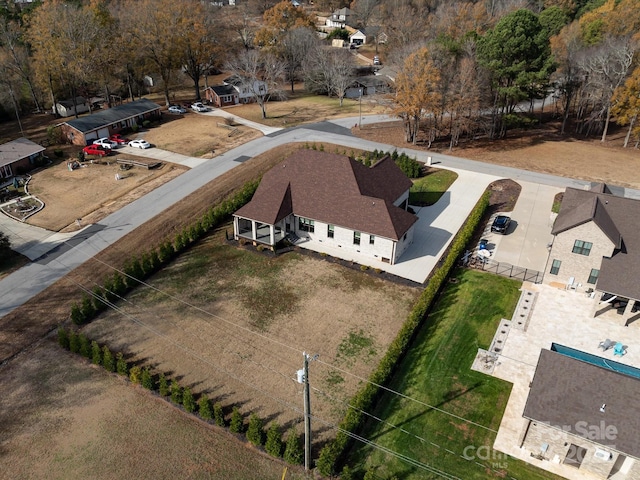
x,y
97,150
119,139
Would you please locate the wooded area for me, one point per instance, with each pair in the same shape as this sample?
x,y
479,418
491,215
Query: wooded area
x,y
461,68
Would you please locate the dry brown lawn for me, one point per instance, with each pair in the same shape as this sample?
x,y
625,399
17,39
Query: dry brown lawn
x,y
197,135
234,323
63,418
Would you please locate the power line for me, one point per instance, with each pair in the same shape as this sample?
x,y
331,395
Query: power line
x,y
284,345
398,455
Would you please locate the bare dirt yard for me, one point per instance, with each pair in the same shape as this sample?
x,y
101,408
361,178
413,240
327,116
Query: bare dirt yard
x,y
233,323
539,149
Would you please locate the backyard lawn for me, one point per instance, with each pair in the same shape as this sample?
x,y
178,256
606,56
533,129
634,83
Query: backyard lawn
x,y
468,405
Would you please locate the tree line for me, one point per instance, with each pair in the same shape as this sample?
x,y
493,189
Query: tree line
x,y
463,67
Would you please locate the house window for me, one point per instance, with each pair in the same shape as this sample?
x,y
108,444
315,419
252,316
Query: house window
x,y
372,239
306,225
330,231
356,238
555,267
582,248
593,276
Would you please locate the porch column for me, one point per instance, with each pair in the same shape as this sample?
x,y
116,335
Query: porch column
x,y
236,228
272,235
626,316
254,233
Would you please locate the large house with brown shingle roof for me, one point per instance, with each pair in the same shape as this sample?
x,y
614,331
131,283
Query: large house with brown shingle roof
x,y
580,412
331,200
596,248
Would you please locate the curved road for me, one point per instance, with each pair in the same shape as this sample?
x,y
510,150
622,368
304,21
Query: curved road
x,y
66,254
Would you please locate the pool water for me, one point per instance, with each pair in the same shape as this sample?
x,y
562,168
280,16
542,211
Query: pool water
x,y
596,360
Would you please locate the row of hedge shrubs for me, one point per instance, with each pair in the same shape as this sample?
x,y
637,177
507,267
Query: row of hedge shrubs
x,y
139,268
333,453
271,439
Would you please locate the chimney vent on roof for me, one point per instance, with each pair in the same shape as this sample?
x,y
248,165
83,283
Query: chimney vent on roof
x,y
603,407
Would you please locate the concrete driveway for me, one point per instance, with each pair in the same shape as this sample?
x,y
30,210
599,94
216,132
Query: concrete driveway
x,y
525,244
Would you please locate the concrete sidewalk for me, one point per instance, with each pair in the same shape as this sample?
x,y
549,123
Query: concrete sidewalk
x,y
163,156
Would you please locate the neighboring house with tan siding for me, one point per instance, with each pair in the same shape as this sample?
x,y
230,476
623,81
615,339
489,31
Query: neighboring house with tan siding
x,y
332,200
596,248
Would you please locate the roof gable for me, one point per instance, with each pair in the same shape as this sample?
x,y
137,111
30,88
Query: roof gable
x,y
105,118
333,189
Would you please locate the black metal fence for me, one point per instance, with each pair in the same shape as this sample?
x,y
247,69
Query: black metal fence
x,y
507,270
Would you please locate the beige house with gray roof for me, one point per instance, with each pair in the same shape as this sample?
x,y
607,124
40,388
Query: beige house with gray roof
x,y
330,199
596,249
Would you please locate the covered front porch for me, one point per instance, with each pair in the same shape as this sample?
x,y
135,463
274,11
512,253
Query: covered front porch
x,y
258,232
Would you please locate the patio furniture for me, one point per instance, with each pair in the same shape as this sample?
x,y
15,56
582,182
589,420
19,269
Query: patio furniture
x,y
619,349
606,345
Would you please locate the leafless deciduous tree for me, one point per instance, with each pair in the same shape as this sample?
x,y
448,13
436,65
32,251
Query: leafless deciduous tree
x,y
258,73
607,65
330,70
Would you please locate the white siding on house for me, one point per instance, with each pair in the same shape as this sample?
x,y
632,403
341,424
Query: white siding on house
x,y
382,248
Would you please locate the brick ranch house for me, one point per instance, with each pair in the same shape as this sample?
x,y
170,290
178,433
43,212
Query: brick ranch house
x,y
84,130
596,248
580,413
222,95
18,156
333,200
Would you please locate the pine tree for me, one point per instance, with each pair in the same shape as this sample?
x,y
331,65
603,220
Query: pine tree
x,y
163,385
147,379
77,316
293,450
135,374
119,285
188,402
88,310
107,360
63,338
121,365
273,446
176,392
98,299
74,343
96,353
255,432
346,474
85,345
204,407
236,425
218,414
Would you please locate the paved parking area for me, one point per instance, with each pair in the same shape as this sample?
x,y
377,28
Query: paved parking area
x,y
526,242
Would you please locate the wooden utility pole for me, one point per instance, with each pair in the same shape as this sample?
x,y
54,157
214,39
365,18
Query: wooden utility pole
x,y
307,414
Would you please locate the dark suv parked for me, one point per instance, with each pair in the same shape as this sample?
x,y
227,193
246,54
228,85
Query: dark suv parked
x,y
501,224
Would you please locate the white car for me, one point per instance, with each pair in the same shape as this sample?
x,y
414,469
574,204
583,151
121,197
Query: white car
x,y
199,107
105,142
140,143
176,109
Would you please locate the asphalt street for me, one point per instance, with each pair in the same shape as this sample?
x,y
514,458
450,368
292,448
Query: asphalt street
x,y
66,254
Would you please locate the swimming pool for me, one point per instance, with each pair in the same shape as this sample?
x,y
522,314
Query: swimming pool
x,y
596,360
